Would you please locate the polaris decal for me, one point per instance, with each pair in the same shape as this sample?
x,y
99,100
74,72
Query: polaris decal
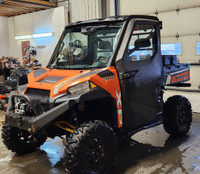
x,y
181,77
109,78
178,76
106,75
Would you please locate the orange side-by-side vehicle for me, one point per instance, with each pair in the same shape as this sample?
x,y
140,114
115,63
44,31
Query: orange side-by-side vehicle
x,y
104,82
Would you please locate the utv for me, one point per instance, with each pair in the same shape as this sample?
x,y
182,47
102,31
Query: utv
x,y
105,81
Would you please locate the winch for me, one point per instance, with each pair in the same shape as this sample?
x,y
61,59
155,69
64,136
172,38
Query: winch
x,y
22,108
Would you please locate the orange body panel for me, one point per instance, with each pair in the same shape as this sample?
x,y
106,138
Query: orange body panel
x,y
2,96
73,77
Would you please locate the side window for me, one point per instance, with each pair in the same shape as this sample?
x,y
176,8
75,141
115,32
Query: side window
x,y
143,42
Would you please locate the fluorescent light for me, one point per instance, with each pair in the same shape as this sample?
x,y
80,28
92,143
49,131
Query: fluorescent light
x,y
23,37
42,35
33,36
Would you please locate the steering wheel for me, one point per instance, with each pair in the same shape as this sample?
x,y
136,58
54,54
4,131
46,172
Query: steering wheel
x,y
103,59
78,50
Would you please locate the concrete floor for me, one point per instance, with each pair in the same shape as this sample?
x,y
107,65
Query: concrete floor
x,y
151,151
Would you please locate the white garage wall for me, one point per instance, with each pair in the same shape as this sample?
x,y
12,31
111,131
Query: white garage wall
x,y
185,22
52,20
4,37
81,10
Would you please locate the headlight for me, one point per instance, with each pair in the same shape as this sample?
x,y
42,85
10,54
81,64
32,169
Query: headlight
x,y
80,88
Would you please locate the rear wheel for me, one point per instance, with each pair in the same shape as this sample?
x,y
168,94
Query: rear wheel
x,y
91,149
177,115
20,141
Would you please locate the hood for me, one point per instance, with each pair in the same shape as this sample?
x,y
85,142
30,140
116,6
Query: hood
x,y
54,82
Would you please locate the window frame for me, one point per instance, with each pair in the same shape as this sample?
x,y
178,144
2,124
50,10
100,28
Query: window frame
x,y
141,22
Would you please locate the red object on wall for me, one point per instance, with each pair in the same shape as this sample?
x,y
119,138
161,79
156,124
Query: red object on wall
x,y
24,44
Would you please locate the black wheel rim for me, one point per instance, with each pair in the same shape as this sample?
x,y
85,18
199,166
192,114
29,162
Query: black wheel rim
x,y
25,137
96,154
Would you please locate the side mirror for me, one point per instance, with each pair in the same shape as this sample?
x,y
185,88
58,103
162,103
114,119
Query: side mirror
x,y
141,43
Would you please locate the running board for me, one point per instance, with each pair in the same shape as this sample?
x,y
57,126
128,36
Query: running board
x,y
144,127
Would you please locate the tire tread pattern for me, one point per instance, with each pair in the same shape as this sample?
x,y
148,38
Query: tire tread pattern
x,y
12,142
75,146
171,113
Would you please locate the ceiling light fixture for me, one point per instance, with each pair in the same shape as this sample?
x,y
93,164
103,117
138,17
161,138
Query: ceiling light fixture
x,y
23,37
33,36
42,35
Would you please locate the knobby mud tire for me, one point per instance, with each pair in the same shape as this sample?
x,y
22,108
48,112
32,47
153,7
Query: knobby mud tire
x,y
13,141
91,149
177,115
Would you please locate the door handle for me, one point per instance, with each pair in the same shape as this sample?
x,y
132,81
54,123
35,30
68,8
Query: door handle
x,y
129,74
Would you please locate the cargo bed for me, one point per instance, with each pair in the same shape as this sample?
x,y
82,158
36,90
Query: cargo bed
x,y
174,72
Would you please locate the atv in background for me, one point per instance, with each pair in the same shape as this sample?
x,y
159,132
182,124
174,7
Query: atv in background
x,y
105,81
17,77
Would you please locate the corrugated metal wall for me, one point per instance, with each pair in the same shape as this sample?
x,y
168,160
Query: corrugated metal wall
x,y
85,9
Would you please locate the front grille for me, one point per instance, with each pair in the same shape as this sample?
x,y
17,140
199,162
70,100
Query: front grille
x,y
38,92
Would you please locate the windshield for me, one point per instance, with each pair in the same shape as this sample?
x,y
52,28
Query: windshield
x,y
86,47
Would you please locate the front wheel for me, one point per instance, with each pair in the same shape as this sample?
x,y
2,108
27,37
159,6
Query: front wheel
x,y
177,115
20,141
91,149
2,103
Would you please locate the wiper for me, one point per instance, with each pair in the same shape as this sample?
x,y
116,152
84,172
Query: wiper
x,y
53,67
94,68
91,29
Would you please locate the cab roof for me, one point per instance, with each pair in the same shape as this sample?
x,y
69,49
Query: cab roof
x,y
114,19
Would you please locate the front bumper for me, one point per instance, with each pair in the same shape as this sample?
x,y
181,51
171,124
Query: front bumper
x,y
34,124
41,121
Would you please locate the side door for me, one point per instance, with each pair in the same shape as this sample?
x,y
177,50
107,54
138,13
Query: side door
x,y
140,70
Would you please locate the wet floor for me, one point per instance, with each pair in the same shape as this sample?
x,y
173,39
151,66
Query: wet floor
x,y
151,151
155,152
